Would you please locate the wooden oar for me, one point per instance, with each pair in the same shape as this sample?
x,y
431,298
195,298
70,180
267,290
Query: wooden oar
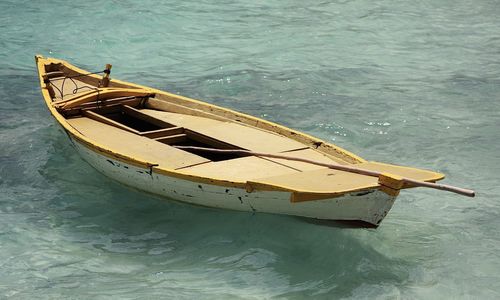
x,y
444,187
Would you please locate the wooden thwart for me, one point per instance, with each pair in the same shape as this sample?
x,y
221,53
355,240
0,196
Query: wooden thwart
x,y
159,133
178,138
55,74
104,107
239,135
130,101
99,94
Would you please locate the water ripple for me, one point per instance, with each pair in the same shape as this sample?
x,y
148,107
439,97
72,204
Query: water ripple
x,y
410,83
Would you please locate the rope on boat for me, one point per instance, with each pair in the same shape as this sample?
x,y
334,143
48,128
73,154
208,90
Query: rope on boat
x,y
411,182
77,88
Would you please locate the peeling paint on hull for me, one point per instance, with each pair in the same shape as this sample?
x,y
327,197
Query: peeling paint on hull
x,y
367,207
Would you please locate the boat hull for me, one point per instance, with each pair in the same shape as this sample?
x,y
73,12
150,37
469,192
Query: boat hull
x,y
369,206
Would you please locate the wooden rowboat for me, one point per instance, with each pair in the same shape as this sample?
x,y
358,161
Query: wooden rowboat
x,y
199,153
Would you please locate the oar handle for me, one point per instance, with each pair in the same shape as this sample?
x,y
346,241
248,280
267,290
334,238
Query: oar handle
x,y
443,187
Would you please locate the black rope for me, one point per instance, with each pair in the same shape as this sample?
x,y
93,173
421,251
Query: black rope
x,y
60,92
77,88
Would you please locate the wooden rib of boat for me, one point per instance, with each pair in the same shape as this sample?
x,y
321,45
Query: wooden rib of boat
x,y
156,141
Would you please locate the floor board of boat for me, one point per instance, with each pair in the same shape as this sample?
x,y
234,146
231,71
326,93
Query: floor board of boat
x,y
242,136
240,169
135,146
319,181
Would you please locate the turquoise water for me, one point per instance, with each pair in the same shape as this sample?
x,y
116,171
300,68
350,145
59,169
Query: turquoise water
x,y
413,83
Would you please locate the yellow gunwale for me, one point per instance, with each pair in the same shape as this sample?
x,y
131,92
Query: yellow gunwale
x,y
209,108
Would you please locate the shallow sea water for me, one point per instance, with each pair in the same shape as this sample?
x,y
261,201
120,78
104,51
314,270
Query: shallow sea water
x,y
413,83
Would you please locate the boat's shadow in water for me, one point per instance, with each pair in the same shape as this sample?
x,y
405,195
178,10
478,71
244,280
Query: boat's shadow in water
x,y
347,224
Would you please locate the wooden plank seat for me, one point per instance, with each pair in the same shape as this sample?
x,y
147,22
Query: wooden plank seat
x,y
105,106
99,94
241,136
55,74
164,132
134,145
194,123
239,169
166,129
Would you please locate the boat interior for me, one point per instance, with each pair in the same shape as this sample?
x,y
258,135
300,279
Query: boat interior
x,y
149,125
141,124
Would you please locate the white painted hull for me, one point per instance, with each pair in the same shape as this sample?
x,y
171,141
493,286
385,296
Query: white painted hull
x,y
369,207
